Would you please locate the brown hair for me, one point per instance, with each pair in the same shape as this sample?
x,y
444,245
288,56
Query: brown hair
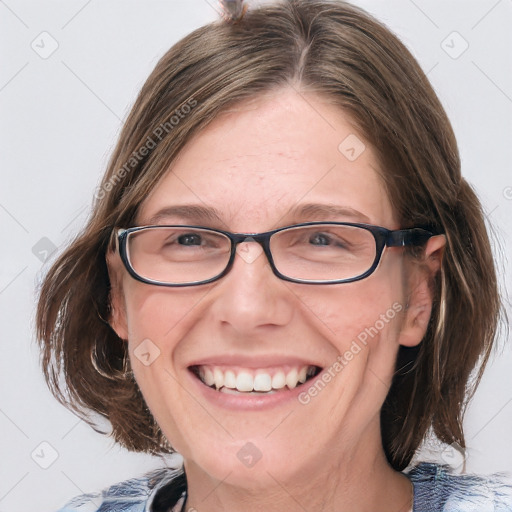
x,y
341,52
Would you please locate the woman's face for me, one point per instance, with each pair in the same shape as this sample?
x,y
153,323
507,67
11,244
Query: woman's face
x,y
257,167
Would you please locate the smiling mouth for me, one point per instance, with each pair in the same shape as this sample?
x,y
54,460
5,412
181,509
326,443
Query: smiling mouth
x,y
254,381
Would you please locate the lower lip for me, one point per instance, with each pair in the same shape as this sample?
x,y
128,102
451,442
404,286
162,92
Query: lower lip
x,y
249,402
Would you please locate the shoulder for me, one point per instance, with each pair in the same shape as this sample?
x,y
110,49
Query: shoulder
x,y
134,495
437,489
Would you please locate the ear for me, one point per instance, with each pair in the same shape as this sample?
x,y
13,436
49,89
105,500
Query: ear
x,y
117,318
419,292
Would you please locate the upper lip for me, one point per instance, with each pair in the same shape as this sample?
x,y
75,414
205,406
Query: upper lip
x,y
254,362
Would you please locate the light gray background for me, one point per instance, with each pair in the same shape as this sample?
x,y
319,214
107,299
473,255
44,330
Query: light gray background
x,y
60,116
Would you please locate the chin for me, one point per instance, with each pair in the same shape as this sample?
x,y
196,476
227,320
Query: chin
x,y
245,466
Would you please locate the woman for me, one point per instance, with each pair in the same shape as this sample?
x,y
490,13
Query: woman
x,y
280,276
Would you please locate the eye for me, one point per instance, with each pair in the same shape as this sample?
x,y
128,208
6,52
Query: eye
x,y
320,239
190,239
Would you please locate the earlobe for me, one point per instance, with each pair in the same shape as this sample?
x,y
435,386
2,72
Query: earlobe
x,y
417,314
117,318
421,293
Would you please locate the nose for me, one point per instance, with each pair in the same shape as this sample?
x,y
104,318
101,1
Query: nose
x,y
250,296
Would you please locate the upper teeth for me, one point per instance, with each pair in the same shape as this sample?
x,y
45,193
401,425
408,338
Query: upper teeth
x,y
254,380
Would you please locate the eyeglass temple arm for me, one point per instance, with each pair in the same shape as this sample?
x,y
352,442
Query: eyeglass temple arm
x,y
402,237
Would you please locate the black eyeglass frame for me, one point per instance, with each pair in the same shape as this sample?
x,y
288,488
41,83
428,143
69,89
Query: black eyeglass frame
x,y
384,237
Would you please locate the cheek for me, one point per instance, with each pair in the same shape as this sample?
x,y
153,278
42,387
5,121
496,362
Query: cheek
x,y
159,313
364,310
157,319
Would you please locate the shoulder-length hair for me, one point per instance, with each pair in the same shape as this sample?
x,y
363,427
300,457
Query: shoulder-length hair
x,y
339,51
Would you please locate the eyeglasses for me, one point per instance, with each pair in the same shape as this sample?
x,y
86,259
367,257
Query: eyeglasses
x,y
309,253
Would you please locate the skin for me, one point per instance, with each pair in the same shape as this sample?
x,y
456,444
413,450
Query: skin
x,y
254,164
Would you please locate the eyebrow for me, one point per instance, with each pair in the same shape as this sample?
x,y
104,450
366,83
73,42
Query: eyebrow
x,y
327,211
303,212
191,212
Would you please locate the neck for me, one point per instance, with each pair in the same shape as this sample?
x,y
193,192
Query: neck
x,y
337,481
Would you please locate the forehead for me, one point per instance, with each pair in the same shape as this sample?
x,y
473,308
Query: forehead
x,y
260,161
